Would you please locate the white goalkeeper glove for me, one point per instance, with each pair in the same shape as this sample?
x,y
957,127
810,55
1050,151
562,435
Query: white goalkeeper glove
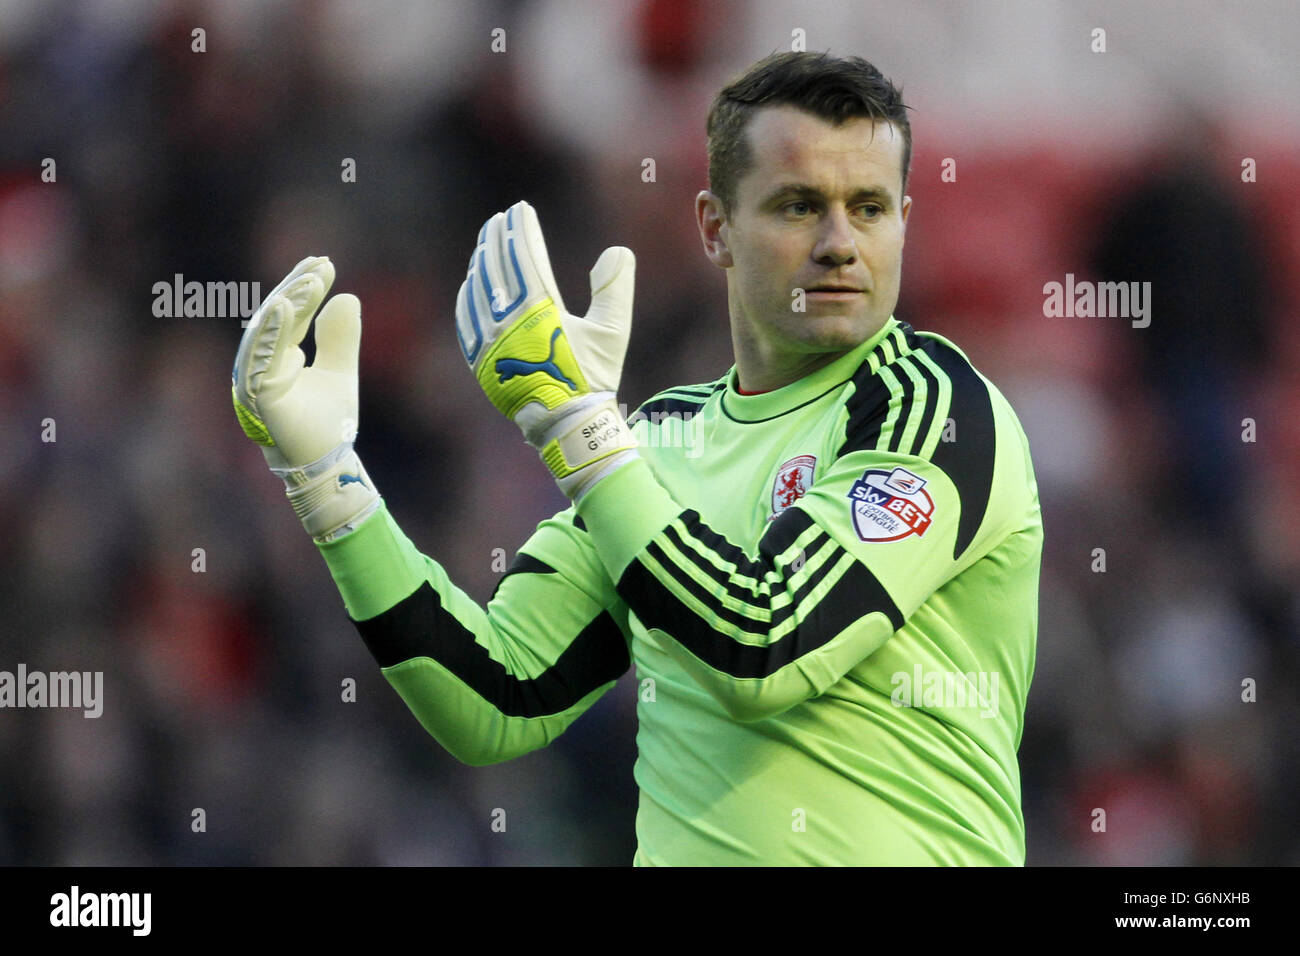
x,y
305,419
552,373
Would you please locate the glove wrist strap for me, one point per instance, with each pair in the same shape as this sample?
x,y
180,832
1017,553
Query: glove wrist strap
x,y
332,495
587,444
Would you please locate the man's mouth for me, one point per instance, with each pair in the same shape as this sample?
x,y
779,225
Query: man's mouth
x,y
834,291
833,285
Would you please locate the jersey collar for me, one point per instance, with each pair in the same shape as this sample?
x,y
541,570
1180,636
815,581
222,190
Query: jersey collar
x,y
779,401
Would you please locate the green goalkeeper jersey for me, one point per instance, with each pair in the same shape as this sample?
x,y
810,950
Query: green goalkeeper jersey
x,y
829,593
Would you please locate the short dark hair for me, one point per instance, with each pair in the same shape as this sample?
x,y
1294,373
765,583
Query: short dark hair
x,y
834,88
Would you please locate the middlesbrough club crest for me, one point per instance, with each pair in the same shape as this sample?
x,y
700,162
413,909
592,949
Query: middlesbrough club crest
x,y
793,479
888,505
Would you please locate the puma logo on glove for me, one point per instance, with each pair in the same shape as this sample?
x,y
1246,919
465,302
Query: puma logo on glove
x,y
508,368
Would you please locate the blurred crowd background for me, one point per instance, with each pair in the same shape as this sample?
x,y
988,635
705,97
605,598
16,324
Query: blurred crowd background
x,y
223,688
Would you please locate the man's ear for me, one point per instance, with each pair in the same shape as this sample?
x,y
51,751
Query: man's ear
x,y
907,208
713,229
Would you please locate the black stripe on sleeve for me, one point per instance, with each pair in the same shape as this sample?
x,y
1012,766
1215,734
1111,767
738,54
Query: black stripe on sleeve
x,y
906,412
868,403
855,595
419,626
868,407
720,546
780,534
783,532
931,403
523,564
734,618
968,461
910,338
723,577
758,603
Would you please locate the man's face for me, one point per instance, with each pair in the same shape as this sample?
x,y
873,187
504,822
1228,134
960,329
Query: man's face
x,y
820,209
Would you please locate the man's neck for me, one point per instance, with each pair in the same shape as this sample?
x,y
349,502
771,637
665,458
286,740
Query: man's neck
x,y
756,373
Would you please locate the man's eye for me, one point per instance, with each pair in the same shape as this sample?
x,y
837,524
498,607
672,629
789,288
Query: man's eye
x,y
871,210
799,208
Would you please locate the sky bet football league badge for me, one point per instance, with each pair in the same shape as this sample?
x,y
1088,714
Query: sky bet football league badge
x,y
888,505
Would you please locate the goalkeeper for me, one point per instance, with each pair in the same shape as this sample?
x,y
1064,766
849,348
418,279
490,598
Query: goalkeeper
x,y
832,587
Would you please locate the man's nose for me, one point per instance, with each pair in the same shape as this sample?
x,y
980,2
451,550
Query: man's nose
x,y
836,245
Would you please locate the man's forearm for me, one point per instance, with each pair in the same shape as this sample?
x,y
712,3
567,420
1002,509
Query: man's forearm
x,y
488,685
